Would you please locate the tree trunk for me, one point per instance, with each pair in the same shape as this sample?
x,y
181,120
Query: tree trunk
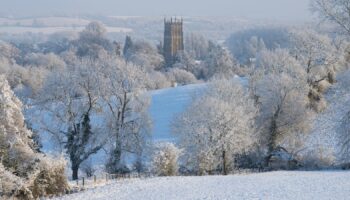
x,y
273,133
114,160
75,169
224,167
272,142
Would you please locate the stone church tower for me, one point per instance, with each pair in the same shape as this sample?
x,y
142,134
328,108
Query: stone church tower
x,y
173,39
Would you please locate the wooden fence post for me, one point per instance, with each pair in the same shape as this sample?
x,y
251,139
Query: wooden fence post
x,y
83,181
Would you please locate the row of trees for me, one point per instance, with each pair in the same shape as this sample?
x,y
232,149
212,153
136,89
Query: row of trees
x,y
108,92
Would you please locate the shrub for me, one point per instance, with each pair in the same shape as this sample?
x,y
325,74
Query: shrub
x,y
165,160
318,158
323,86
50,180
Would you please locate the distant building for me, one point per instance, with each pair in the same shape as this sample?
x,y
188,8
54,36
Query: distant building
x,y
173,39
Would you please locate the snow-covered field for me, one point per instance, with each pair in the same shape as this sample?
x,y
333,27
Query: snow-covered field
x,y
272,185
50,30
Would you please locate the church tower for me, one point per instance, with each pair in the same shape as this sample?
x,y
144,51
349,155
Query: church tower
x,y
173,39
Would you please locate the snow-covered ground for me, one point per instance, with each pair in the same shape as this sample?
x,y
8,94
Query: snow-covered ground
x,y
272,185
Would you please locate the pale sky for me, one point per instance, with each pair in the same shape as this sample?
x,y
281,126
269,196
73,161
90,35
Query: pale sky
x,y
256,9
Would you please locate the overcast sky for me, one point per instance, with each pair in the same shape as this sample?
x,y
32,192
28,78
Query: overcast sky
x,y
266,9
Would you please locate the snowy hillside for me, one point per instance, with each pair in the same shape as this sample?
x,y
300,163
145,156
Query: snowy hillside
x,y
167,103
272,185
326,123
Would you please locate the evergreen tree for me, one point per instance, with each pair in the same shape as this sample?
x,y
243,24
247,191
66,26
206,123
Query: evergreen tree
x,y
127,46
77,144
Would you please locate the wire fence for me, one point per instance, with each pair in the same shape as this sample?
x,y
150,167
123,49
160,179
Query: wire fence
x,y
84,183
103,179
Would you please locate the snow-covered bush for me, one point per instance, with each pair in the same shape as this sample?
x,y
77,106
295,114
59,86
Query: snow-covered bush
x,y
318,158
323,86
165,159
10,183
157,80
181,76
316,100
51,179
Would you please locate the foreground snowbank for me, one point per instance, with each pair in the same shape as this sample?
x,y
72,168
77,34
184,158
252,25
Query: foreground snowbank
x,y
271,185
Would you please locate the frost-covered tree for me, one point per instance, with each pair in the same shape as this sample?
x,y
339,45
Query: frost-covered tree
x,y
278,61
125,109
186,62
316,53
283,109
335,11
92,42
24,173
280,86
68,100
319,57
219,63
127,46
196,46
48,61
144,54
245,45
165,160
217,125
